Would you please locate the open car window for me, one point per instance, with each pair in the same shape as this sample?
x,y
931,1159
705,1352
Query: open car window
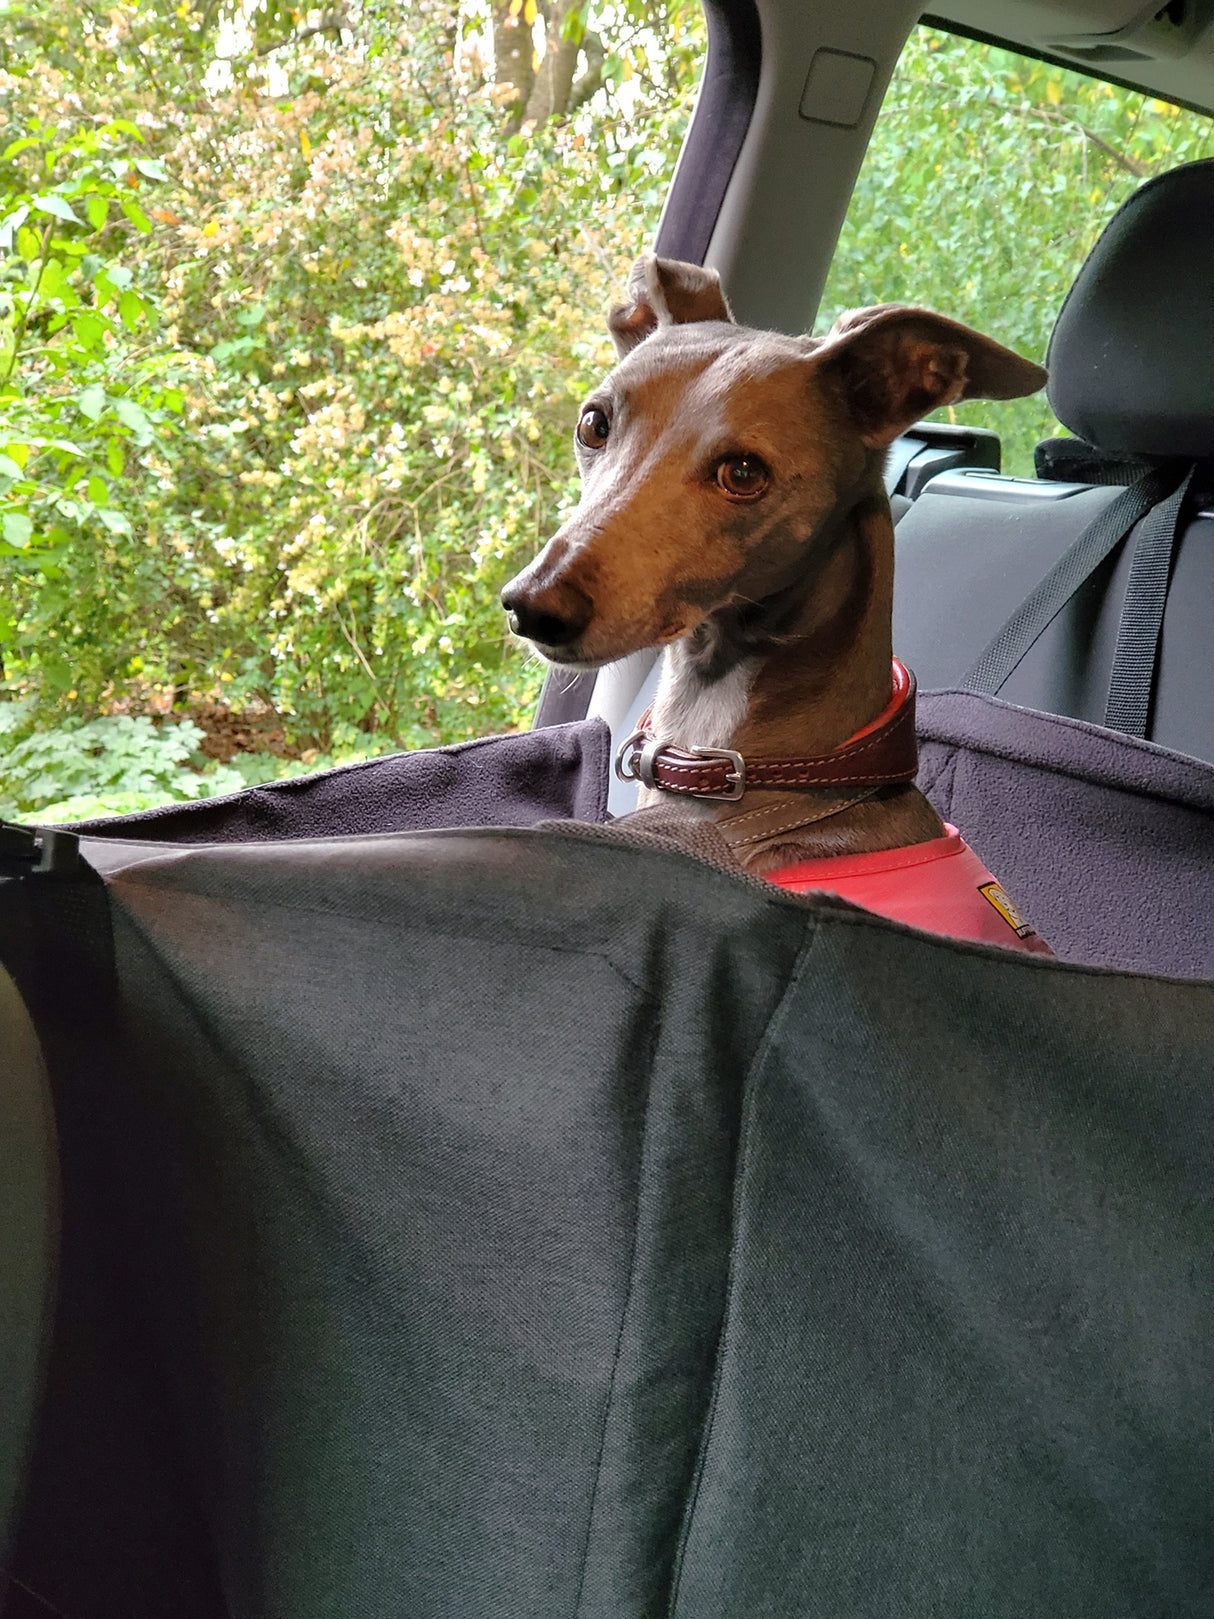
x,y
988,178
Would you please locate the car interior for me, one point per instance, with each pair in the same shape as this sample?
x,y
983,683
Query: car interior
x,y
201,1275
770,246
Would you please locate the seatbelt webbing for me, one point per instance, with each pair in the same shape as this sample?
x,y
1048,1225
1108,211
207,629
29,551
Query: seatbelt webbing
x,y
1042,606
1132,683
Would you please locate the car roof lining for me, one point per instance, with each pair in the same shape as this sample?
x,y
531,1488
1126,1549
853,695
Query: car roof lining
x,y
1037,29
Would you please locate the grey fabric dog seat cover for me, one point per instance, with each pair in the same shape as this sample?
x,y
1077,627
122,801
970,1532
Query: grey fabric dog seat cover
x,y
1106,841
541,1224
512,780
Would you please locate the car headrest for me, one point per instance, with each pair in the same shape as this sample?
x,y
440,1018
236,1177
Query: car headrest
x,y
1132,356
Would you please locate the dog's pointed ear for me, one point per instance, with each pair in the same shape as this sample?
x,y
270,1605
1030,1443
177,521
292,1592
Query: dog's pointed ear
x,y
895,363
664,292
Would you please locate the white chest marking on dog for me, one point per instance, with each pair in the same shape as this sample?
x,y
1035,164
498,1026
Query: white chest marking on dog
x,y
692,714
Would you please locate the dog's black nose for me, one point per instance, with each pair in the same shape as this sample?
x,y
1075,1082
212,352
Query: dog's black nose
x,y
555,617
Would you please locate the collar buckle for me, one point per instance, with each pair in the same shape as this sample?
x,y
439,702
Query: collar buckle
x,y
637,754
735,779
628,756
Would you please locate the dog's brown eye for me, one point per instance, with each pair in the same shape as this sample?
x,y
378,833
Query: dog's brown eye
x,y
744,477
593,428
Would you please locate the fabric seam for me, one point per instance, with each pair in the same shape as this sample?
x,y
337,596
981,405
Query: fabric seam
x,y
741,1173
610,1402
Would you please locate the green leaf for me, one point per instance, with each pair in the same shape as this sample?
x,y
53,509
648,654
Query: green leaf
x,y
91,402
114,521
152,167
9,468
90,329
122,126
49,203
135,417
98,491
22,145
114,457
17,530
52,278
132,310
98,210
136,215
233,346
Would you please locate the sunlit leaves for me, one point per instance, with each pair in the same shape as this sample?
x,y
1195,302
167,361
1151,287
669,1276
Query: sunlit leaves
x,y
90,402
365,317
16,529
54,205
67,304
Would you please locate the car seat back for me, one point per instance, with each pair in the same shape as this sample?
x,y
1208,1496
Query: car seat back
x,y
1123,643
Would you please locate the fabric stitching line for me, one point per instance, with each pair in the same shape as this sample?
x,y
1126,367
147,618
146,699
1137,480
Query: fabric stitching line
x,y
856,916
743,1163
789,826
841,754
397,930
771,779
736,820
610,1401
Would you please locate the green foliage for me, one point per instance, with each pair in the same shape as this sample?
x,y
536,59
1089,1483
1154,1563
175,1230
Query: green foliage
x,y
988,179
381,307
110,765
77,391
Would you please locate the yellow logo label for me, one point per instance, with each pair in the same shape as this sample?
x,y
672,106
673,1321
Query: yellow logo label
x,y
994,895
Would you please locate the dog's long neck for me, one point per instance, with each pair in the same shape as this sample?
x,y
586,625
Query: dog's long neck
x,y
797,674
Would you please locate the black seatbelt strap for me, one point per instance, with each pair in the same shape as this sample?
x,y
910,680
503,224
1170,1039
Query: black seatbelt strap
x,y
1042,606
1132,684
898,457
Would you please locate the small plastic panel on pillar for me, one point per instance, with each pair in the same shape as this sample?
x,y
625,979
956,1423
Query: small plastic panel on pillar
x,y
836,88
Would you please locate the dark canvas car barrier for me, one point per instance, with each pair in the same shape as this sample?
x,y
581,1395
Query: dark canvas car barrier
x,y
547,1223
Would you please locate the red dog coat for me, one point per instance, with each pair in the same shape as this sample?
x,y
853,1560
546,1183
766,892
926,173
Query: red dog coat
x,y
940,886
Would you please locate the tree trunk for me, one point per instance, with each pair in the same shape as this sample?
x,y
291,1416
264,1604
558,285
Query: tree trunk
x,y
553,85
513,59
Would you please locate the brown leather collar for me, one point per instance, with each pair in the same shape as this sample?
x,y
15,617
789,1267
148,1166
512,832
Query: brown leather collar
x,y
882,753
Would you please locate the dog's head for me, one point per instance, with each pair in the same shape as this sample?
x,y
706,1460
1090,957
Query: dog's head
x,y
713,455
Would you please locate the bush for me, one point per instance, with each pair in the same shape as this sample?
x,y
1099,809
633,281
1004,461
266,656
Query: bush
x,y
107,766
381,300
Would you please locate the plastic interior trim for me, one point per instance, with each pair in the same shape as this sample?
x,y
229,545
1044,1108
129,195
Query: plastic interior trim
x,y
978,485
